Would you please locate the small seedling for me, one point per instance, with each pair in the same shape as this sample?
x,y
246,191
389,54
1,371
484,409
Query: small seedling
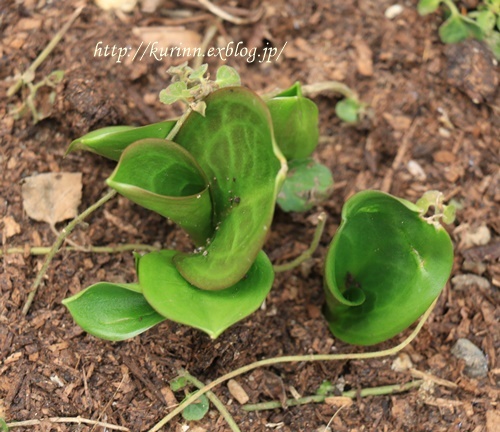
x,y
482,23
386,264
29,104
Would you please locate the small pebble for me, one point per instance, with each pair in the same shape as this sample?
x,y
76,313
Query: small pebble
x,y
476,364
393,11
464,281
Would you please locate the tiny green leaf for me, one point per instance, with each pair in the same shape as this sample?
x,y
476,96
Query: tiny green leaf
x,y
198,73
426,7
325,388
162,176
210,311
227,77
384,267
112,311
111,141
453,30
197,410
295,124
307,184
176,91
348,110
178,383
55,77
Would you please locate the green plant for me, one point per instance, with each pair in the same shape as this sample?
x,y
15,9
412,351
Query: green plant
x,y
218,172
482,23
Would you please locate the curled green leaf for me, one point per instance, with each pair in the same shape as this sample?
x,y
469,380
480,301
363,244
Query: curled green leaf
x,y
295,123
162,176
210,311
385,266
308,183
234,147
176,91
111,141
112,311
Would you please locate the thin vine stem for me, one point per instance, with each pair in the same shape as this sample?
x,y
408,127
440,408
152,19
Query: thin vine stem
x,y
373,391
294,359
44,250
57,244
304,256
215,400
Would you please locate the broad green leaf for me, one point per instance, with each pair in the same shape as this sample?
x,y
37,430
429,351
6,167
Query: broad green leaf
x,y
210,311
453,30
426,7
112,311
111,141
176,91
235,148
385,266
295,124
227,77
162,176
348,110
197,410
308,183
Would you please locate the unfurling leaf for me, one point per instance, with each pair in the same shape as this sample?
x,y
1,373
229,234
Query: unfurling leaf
x,y
234,146
162,176
384,268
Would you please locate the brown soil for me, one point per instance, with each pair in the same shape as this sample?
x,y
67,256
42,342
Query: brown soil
x,y
439,103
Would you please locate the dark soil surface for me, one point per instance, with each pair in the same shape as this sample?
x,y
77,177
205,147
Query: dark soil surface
x,y
434,124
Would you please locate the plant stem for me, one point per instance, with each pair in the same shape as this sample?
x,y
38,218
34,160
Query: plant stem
x,y
298,358
43,55
215,400
452,7
57,244
304,256
374,391
44,250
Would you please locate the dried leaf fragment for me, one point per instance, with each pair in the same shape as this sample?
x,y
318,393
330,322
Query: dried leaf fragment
x,y
10,226
237,391
52,197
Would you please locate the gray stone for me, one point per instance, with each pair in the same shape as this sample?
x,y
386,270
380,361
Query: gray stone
x,y
476,364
